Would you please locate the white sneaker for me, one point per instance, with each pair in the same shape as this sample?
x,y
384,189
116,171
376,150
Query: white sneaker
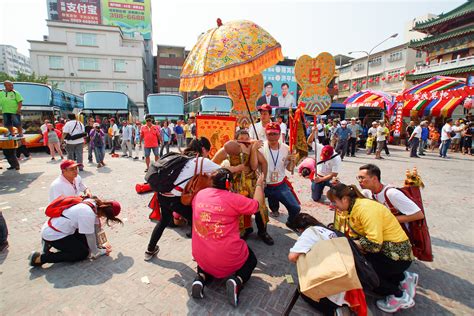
x,y
150,254
409,283
392,304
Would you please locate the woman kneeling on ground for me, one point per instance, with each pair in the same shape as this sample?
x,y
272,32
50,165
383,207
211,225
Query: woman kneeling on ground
x,y
216,244
384,243
74,233
312,231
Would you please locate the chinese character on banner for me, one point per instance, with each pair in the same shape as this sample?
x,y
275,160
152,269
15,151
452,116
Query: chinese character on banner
x,y
220,130
71,7
398,120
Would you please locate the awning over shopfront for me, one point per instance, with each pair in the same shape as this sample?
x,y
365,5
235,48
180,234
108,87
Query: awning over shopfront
x,y
438,96
370,98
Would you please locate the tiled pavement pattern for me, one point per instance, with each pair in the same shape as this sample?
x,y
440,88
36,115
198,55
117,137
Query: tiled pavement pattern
x,y
113,285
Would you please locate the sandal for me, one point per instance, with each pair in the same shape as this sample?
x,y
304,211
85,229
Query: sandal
x,y
34,256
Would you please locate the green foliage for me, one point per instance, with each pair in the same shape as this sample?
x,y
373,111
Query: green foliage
x,y
21,77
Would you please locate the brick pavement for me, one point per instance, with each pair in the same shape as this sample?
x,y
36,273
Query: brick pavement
x,y
112,285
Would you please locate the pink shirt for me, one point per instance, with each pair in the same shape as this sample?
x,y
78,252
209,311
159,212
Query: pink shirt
x,y
307,163
217,247
150,135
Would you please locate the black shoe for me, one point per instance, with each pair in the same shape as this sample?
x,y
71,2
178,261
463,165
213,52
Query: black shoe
x,y
233,286
414,156
53,158
197,289
32,258
189,235
4,245
247,233
13,168
135,158
266,238
422,154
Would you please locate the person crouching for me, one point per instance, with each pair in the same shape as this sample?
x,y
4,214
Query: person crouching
x,y
216,244
74,233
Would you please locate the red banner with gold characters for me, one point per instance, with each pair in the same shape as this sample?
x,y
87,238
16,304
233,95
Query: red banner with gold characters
x,y
398,120
218,129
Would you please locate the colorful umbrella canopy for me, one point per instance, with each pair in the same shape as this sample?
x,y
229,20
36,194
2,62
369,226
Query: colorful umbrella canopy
x,y
232,51
437,96
370,98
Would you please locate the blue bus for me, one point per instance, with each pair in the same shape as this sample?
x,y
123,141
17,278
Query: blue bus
x,y
109,104
165,106
209,105
41,102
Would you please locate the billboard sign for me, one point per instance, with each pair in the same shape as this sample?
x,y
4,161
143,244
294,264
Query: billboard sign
x,y
278,75
130,15
79,11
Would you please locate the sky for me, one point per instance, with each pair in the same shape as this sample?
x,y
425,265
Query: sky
x,y
301,27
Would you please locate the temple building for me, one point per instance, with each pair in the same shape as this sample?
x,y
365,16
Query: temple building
x,y
449,44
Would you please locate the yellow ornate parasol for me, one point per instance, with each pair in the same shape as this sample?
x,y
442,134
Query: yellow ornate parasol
x,y
230,52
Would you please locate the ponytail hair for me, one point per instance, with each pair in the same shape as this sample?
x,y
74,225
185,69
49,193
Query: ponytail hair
x,y
221,179
196,145
104,209
341,190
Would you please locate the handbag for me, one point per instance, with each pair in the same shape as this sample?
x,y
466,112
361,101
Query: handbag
x,y
327,269
198,182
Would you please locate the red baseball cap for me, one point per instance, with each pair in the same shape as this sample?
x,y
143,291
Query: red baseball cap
x,y
69,164
272,127
116,208
327,152
265,107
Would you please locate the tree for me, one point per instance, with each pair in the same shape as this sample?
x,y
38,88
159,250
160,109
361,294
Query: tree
x,y
21,77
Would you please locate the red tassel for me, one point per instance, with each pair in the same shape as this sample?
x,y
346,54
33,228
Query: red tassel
x,y
227,184
219,22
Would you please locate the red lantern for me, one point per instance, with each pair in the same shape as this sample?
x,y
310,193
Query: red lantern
x,y
383,78
402,74
363,81
354,83
371,80
413,71
377,79
345,86
389,77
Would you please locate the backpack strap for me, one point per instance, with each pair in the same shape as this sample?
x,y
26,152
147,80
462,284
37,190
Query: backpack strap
x,y
202,165
392,208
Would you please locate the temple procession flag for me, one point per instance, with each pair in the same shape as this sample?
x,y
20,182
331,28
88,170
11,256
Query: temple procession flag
x,y
251,88
218,129
314,75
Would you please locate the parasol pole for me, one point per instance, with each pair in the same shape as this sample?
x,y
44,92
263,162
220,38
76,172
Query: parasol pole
x,y
248,109
316,140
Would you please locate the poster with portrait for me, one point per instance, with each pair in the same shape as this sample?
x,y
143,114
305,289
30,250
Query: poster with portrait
x,y
283,86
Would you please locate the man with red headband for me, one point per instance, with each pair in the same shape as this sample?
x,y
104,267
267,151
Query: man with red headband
x,y
278,187
328,167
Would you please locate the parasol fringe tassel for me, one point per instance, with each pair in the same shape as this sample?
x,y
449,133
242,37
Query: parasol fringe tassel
x,y
233,73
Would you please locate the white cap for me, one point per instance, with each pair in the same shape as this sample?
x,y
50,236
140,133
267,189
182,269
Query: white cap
x,y
344,122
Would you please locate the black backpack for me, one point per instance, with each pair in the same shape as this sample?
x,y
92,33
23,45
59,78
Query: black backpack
x,y
163,173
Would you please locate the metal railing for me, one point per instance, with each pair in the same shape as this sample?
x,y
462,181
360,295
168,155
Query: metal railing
x,y
445,65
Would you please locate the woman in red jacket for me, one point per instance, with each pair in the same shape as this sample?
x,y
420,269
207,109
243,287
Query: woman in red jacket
x,y
51,138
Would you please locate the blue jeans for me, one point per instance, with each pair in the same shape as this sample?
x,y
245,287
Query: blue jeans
x,y
317,189
282,194
444,147
99,153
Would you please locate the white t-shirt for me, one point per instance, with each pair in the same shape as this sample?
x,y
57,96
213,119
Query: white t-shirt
x,y
283,128
372,131
399,200
380,136
43,128
276,161
304,244
445,131
260,132
61,186
188,171
328,167
320,129
79,217
171,126
115,130
417,132
69,128
458,130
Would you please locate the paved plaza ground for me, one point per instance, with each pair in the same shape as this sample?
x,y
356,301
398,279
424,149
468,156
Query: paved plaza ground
x,y
113,285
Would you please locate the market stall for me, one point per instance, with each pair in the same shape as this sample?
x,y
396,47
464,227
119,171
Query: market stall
x,y
437,97
368,105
